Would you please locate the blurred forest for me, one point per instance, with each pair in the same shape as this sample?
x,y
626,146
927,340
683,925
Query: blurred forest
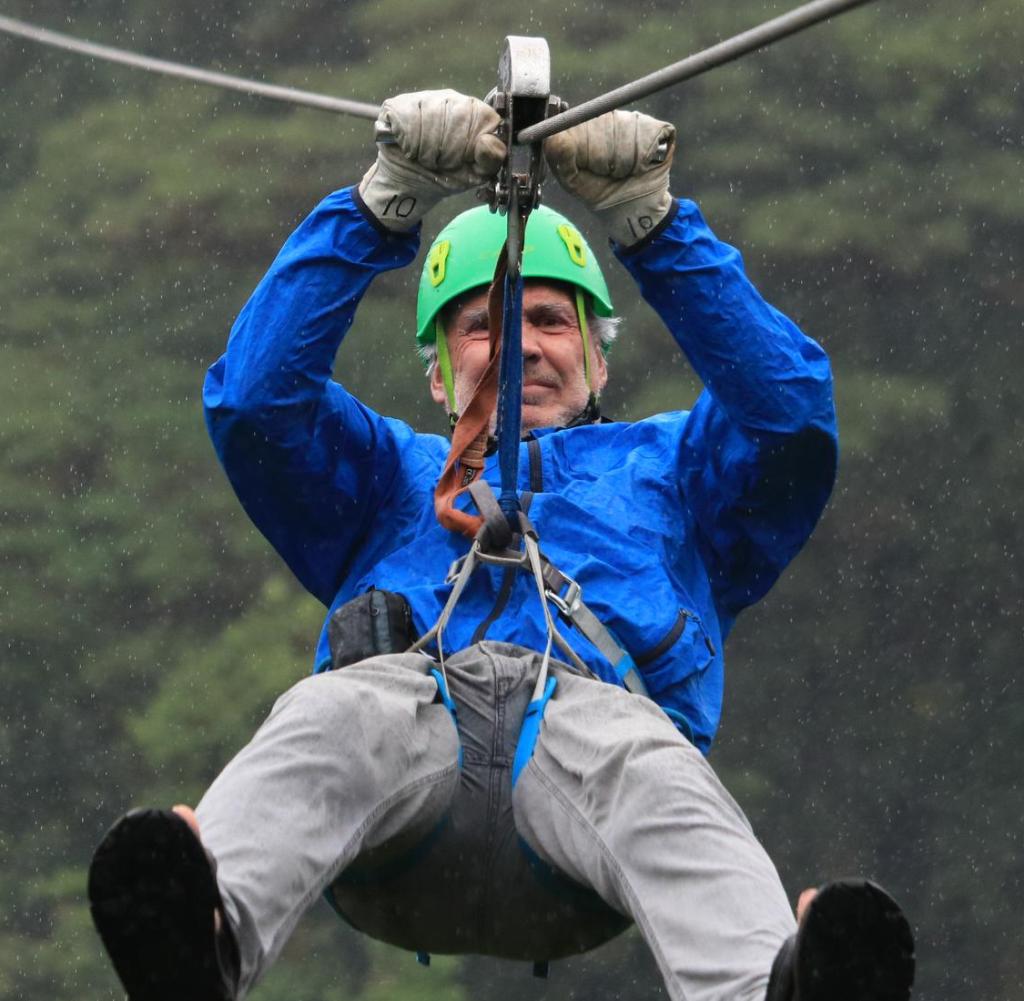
x,y
870,170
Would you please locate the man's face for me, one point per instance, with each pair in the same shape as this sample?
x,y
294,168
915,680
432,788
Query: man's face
x,y
554,382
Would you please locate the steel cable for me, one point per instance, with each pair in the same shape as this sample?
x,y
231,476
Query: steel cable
x,y
723,52
291,95
726,51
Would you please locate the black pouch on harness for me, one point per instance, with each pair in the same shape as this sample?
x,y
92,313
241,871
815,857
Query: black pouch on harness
x,y
374,623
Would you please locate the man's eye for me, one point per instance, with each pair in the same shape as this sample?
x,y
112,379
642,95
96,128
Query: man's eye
x,y
475,328
555,323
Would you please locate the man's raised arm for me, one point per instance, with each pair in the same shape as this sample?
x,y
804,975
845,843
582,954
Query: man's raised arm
x,y
758,455
307,460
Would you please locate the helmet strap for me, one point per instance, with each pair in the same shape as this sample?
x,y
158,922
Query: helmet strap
x,y
581,312
444,363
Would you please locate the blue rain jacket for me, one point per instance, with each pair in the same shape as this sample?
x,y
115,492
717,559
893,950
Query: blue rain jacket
x,y
671,525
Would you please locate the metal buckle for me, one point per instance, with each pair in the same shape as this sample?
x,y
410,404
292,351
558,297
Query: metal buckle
x,y
504,558
568,604
455,569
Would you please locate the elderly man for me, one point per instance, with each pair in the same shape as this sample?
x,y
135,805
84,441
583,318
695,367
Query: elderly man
x,y
405,785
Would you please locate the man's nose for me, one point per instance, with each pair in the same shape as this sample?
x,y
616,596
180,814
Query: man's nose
x,y
531,341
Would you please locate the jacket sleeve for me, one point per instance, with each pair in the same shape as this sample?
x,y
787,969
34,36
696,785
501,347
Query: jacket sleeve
x,y
758,452
308,461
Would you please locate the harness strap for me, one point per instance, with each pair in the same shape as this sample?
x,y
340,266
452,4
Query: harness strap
x,y
448,702
510,374
469,438
572,609
530,730
461,579
530,544
553,588
495,533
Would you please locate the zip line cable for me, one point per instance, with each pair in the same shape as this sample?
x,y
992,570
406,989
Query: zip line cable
x,y
275,93
723,52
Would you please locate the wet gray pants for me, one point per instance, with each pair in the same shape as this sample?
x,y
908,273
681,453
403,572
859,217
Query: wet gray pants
x,y
354,783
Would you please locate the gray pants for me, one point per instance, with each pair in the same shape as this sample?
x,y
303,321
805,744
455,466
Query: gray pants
x,y
354,782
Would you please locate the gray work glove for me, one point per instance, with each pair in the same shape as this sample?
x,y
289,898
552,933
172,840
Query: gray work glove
x,y
444,144
618,165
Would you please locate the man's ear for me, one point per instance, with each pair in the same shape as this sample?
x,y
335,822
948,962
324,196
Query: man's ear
x,y
437,390
598,368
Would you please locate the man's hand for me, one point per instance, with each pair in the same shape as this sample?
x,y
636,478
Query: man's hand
x,y
444,144
618,165
804,901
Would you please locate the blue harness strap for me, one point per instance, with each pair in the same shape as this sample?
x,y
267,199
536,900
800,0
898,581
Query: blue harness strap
x,y
530,730
509,427
442,690
510,394
447,701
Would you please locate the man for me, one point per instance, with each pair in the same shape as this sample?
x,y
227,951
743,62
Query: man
x,y
408,787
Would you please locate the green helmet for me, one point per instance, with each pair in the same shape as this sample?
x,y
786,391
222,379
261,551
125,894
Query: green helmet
x,y
466,251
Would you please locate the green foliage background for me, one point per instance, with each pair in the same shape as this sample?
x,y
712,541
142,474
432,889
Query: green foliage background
x,y
871,170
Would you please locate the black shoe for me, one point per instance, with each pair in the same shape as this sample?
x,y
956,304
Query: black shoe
x,y
153,893
853,944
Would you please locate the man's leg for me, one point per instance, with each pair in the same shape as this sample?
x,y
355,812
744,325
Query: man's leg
x,y
618,800
346,762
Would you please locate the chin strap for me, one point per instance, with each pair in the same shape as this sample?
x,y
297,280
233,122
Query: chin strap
x,y
444,365
581,313
590,414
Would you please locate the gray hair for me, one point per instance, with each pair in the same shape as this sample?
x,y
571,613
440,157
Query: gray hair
x,y
603,331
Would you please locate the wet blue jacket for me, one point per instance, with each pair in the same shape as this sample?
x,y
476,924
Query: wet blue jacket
x,y
671,525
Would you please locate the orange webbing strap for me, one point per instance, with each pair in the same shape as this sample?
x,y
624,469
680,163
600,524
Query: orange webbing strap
x,y
472,430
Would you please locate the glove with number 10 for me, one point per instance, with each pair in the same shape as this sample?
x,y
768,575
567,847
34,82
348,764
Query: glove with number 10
x,y
442,143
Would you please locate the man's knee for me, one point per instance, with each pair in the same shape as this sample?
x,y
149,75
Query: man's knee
x,y
607,753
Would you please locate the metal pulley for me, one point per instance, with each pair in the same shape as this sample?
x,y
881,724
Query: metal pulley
x,y
522,98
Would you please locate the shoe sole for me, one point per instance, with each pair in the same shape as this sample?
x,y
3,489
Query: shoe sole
x,y
152,893
854,945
